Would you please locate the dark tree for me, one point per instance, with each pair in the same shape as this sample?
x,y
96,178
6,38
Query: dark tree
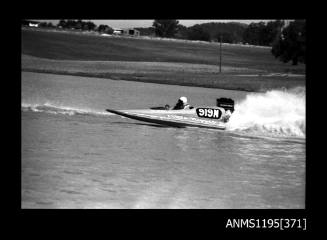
x,y
62,23
261,33
181,32
105,29
165,28
70,24
109,30
196,32
79,24
254,34
43,24
291,46
90,26
232,31
226,37
101,28
272,31
50,25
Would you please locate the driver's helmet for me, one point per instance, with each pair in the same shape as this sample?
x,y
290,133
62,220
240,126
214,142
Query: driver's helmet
x,y
183,99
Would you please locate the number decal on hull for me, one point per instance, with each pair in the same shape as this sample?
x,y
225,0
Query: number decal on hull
x,y
209,113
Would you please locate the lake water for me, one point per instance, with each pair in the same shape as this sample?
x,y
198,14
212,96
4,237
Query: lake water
x,y
75,155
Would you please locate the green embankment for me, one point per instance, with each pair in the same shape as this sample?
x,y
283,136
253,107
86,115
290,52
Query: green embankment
x,y
158,61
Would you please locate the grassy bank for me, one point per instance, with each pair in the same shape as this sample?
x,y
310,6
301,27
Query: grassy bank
x,y
165,62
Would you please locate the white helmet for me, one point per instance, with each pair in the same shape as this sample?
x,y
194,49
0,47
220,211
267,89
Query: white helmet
x,y
183,99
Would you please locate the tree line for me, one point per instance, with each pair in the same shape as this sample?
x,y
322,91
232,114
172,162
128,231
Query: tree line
x,y
77,24
288,41
74,25
84,26
261,33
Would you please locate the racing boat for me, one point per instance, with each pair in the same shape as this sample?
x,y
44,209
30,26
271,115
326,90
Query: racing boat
x,y
203,117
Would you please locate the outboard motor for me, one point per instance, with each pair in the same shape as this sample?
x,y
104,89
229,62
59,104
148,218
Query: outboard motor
x,y
226,103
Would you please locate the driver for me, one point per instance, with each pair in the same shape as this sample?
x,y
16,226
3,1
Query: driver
x,y
182,104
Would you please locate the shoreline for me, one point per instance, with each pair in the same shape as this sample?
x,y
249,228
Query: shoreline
x,y
131,78
182,74
156,81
